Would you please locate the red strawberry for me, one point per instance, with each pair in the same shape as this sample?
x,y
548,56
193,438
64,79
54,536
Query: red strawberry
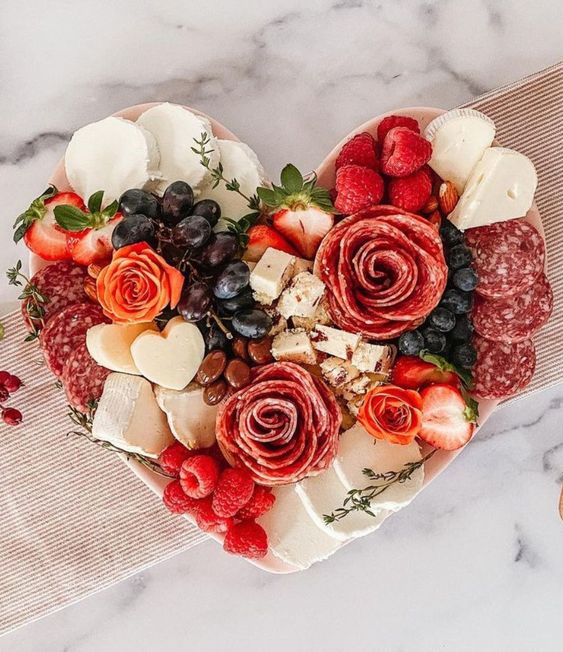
x,y
304,228
260,237
360,150
93,245
392,121
411,372
411,193
404,152
357,187
447,422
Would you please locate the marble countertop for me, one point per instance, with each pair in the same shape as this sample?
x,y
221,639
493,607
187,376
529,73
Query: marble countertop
x,y
475,563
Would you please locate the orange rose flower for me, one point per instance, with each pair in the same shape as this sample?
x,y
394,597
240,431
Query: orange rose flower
x,y
392,413
137,285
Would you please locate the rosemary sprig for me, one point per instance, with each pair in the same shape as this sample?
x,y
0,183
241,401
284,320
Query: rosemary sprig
x,y
35,306
359,500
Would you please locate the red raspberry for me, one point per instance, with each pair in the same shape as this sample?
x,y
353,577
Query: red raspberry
x,y
208,521
392,121
198,475
411,193
404,152
176,500
360,150
357,188
233,491
247,539
261,502
12,383
172,458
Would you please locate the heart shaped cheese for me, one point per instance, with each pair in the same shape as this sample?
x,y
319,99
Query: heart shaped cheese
x,y
110,345
170,358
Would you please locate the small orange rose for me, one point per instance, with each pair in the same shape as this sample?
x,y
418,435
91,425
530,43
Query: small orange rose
x,y
392,413
137,285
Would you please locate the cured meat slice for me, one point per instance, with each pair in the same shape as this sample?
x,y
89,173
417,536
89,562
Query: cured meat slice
x,y
83,378
517,318
384,270
66,330
502,369
507,257
62,283
282,427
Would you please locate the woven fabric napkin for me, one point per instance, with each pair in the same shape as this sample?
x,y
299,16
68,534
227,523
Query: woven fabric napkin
x,y
73,520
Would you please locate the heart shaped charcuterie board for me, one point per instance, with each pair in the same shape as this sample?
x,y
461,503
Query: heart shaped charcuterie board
x,y
326,177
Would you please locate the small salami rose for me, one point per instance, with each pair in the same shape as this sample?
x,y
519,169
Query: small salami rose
x,y
137,285
392,413
282,427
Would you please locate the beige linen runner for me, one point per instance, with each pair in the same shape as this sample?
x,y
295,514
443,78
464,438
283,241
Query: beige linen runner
x,y
74,520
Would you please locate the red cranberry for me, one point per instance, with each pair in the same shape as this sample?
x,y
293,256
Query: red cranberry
x,y
4,393
11,416
12,383
4,375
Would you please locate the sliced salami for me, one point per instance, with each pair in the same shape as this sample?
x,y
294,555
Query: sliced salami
x,y
502,369
507,256
83,378
66,330
517,318
62,284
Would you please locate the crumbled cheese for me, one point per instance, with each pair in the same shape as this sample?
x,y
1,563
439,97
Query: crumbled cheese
x,y
294,346
334,341
370,357
302,296
338,372
321,316
271,275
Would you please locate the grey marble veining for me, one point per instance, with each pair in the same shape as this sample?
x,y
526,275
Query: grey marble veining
x,y
475,563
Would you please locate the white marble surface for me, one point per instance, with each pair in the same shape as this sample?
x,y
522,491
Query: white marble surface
x,y
475,563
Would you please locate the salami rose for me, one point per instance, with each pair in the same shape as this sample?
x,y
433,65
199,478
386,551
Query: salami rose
x,y
282,427
384,270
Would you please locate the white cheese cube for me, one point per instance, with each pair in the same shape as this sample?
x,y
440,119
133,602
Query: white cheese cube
x,y
271,275
302,297
302,265
334,341
372,357
337,372
293,346
356,387
321,316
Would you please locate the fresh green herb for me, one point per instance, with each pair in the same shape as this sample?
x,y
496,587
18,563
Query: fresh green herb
x,y
443,364
35,211
71,218
34,300
359,500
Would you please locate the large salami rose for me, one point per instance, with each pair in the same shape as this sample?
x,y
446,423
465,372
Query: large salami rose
x,y
384,270
282,427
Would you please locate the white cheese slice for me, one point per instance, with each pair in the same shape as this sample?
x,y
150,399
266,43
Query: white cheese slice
x,y
128,416
293,536
459,138
191,420
271,275
302,297
175,130
501,187
293,346
112,155
334,341
110,345
359,450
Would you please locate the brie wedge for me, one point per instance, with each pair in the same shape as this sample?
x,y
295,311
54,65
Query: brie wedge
x,y
110,345
128,416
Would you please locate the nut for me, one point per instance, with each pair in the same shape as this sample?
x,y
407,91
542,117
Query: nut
x,y
94,270
447,197
90,289
430,206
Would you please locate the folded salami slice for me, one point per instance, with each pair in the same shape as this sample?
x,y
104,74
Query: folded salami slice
x,y
507,256
517,318
384,270
83,378
282,427
502,369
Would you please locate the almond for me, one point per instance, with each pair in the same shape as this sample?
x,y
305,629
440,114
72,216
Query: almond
x,y
94,270
431,205
90,289
447,197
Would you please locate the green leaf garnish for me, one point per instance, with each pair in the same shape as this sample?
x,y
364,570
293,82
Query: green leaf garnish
x,y
95,201
71,218
35,211
443,364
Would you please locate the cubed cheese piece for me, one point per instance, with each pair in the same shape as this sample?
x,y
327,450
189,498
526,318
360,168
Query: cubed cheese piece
x,y
321,316
129,417
191,420
302,297
302,265
459,138
359,450
271,275
337,372
356,387
110,345
292,534
293,346
372,357
334,341
501,187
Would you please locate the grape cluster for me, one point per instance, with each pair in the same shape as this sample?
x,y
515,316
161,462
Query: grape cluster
x,y
448,329
216,292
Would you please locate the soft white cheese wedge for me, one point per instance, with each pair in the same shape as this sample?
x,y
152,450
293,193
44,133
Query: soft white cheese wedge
x,y
324,493
128,416
175,129
241,163
459,139
110,345
112,155
191,420
501,187
359,450
293,536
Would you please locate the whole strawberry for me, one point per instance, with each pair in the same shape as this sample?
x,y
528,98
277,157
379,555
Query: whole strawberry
x,y
411,193
357,188
233,491
247,539
404,152
359,150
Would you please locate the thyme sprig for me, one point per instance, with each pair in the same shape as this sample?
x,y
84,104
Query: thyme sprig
x,y
359,500
36,300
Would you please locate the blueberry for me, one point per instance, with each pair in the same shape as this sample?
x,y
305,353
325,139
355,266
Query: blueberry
x,y
464,355
450,234
463,329
434,341
253,323
136,201
459,256
465,279
442,319
132,229
177,202
457,301
209,209
411,343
